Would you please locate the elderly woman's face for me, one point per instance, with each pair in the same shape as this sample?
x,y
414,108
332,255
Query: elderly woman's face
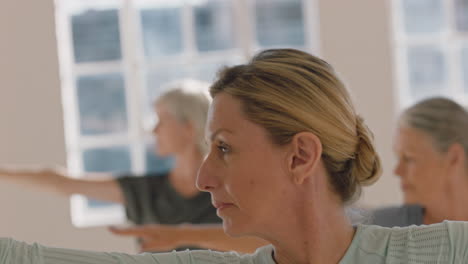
x,y
422,169
172,135
243,170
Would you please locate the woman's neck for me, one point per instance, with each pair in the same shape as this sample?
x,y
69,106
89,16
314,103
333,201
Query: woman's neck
x,y
316,231
452,206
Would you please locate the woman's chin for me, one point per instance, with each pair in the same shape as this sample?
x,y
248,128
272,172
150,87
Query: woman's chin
x,y
410,199
232,233
233,230
163,153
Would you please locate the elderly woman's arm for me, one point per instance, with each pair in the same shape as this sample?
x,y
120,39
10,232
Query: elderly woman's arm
x,y
99,186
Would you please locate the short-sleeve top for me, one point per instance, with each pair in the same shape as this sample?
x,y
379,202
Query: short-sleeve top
x,y
152,199
404,215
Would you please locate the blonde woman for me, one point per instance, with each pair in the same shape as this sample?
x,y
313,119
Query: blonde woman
x,y
287,154
431,143
171,210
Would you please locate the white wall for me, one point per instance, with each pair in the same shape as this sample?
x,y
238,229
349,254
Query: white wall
x,y
31,129
355,39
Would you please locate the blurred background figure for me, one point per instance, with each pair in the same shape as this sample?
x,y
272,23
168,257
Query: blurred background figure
x,y
431,144
169,198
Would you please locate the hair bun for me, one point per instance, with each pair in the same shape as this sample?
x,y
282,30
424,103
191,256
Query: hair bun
x,y
366,167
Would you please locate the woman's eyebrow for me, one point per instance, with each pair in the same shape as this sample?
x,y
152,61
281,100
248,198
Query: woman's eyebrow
x,y
212,137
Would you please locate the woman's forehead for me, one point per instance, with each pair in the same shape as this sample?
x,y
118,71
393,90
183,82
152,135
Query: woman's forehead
x,y
229,121
224,106
163,110
410,138
226,113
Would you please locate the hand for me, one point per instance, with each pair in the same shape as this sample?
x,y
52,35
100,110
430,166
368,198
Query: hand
x,y
155,237
52,176
32,174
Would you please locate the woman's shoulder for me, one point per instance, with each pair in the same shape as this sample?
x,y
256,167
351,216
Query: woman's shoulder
x,y
445,242
443,229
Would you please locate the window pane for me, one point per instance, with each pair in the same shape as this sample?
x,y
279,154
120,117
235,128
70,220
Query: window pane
x,y
464,67
206,71
109,159
461,14
101,100
156,163
213,25
422,16
427,71
279,22
112,159
162,76
162,31
96,35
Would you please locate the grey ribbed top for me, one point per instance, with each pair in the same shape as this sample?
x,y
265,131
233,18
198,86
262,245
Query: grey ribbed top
x,y
442,243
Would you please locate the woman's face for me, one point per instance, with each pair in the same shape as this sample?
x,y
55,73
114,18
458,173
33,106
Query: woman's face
x,y
421,168
172,135
243,171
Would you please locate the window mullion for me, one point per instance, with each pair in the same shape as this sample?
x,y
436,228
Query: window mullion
x,y
188,29
243,27
133,84
311,26
68,84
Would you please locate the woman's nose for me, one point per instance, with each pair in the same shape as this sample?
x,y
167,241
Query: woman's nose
x,y
398,170
206,181
155,129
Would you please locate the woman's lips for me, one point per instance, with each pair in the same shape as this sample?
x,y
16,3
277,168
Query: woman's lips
x,y
221,206
405,186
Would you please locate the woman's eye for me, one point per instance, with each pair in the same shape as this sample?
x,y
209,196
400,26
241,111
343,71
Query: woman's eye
x,y
406,159
223,148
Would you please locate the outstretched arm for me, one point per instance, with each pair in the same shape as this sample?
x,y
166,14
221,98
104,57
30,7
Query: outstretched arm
x,y
103,187
209,236
16,252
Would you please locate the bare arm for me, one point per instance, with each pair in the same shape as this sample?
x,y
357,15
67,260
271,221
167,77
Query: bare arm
x,y
168,237
102,187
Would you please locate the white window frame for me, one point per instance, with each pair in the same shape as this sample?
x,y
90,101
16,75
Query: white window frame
x,y
449,39
133,68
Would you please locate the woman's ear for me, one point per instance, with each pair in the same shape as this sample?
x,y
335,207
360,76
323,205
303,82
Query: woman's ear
x,y
306,150
456,156
190,129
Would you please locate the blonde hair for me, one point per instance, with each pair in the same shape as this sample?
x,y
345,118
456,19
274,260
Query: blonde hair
x,y
445,121
188,101
288,91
